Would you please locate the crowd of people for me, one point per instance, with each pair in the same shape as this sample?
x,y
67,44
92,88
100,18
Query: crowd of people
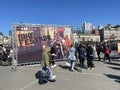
x,y
79,53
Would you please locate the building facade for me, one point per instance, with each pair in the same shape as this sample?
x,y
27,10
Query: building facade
x,y
83,37
87,28
110,33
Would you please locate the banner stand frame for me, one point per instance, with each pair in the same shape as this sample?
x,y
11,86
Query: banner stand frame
x,y
23,26
14,47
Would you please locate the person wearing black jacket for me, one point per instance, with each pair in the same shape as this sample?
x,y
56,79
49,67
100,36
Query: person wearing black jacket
x,y
53,54
90,57
98,49
81,56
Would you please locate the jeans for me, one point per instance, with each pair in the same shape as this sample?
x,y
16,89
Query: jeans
x,y
81,60
72,64
42,78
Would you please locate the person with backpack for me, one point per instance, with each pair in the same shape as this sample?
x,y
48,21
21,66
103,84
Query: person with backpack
x,y
81,55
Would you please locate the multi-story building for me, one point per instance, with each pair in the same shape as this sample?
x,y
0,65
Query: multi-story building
x,y
90,37
95,31
84,37
87,28
110,33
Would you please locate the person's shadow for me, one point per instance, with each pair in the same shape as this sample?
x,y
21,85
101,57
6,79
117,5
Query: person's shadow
x,y
116,77
64,66
37,75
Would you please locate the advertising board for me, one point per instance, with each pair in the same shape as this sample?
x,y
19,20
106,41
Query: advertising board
x,y
31,38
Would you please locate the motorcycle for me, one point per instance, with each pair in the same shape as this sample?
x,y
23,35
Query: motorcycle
x,y
5,59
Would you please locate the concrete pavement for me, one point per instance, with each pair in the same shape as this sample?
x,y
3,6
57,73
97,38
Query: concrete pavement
x,y
105,76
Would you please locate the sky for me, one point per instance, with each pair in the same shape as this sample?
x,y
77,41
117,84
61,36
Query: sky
x,y
63,12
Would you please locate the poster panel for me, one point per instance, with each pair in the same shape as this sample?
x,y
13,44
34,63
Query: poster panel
x,y
30,40
118,48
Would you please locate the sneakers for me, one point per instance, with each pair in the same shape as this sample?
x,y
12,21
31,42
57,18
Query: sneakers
x,y
88,68
54,76
82,70
71,69
91,68
53,66
53,79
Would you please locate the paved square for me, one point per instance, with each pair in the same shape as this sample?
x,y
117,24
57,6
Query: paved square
x,y
105,76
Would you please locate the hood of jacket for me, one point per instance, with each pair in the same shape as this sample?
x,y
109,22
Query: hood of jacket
x,y
72,49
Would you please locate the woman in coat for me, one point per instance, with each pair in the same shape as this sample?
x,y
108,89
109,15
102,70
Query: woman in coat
x,y
72,57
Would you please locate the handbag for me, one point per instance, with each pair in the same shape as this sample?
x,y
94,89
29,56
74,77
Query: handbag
x,y
45,73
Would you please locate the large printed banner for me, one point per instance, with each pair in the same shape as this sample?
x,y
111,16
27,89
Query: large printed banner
x,y
30,40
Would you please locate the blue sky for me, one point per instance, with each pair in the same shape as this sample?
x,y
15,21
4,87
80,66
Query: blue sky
x,y
63,12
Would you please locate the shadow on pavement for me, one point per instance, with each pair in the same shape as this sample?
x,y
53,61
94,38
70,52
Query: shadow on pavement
x,y
78,69
116,77
78,65
116,60
64,66
117,81
112,63
115,68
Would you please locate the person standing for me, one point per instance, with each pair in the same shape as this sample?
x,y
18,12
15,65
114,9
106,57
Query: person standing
x,y
98,49
90,57
46,66
53,55
72,57
81,55
106,52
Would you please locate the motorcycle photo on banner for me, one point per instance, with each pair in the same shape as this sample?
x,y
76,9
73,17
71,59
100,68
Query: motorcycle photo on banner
x,y
61,43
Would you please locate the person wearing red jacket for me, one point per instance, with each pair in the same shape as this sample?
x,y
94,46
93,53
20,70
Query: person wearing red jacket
x,y
106,52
